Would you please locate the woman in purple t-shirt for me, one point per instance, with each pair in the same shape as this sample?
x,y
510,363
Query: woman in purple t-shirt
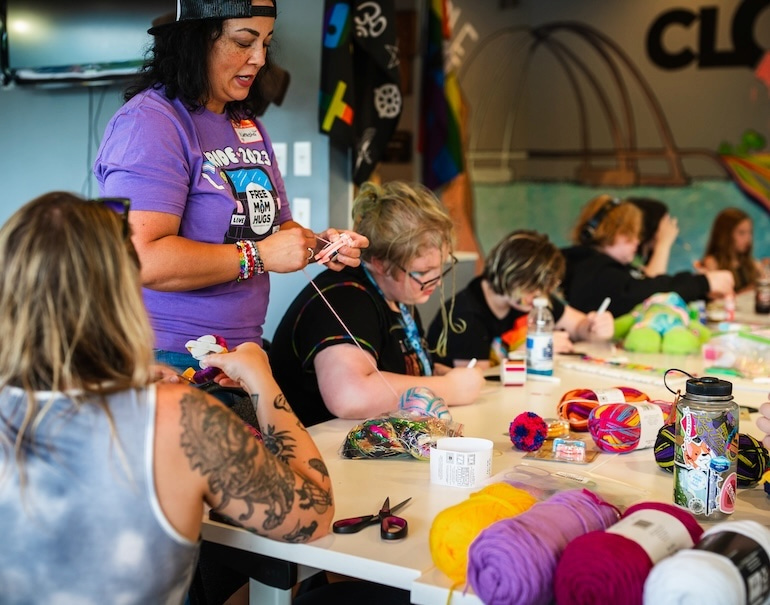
x,y
209,212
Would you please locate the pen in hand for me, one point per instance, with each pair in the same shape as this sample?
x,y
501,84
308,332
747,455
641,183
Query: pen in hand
x,y
604,306
472,362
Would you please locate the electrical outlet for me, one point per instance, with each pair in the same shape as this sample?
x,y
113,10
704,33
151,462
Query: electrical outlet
x,y
300,211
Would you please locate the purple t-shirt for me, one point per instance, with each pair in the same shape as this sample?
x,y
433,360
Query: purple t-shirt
x,y
222,179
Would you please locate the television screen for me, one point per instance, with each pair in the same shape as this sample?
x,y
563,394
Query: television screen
x,y
56,39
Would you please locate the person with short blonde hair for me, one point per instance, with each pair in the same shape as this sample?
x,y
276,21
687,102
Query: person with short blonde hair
x,y
317,359
105,473
600,264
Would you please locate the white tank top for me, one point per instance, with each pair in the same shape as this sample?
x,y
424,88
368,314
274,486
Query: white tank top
x,y
88,529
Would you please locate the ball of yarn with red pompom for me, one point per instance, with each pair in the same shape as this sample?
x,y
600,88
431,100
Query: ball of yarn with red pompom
x,y
528,431
611,566
576,404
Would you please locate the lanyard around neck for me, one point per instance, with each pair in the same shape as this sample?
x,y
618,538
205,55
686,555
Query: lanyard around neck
x,y
410,329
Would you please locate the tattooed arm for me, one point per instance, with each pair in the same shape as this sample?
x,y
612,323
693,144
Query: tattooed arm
x,y
280,489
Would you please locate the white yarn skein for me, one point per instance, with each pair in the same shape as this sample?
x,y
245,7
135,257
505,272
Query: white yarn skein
x,y
702,577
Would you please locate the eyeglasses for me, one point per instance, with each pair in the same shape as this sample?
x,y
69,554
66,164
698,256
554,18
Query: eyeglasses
x,y
119,205
433,281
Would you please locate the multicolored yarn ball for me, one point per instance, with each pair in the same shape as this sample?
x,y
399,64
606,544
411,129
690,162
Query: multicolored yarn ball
x,y
528,431
753,457
617,427
753,460
421,401
619,565
456,527
664,447
576,405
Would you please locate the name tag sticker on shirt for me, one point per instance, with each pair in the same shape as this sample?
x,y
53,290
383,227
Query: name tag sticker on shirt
x,y
247,131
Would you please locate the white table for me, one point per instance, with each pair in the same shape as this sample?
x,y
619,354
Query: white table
x,y
360,486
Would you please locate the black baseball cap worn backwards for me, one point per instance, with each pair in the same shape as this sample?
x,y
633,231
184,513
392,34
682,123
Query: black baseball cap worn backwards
x,y
192,10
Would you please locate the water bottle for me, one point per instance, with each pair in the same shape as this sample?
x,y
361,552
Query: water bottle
x,y
540,338
706,448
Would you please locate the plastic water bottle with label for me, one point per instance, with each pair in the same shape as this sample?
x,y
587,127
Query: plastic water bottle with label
x,y
540,338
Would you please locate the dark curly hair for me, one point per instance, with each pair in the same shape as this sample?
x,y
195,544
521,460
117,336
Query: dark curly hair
x,y
178,60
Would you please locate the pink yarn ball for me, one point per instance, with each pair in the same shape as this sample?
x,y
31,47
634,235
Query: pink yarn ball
x,y
608,567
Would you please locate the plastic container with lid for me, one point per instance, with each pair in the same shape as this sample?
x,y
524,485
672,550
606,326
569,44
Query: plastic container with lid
x,y
706,448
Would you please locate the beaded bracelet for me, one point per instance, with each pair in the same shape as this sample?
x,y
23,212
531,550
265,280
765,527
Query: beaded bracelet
x,y
251,263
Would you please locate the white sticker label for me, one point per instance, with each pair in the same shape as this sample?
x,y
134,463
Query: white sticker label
x,y
650,421
609,396
659,534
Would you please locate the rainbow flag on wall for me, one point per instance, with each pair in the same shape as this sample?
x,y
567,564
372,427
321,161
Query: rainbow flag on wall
x,y
440,139
360,98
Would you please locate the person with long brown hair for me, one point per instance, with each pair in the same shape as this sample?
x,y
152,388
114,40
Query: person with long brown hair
x,y
104,472
730,247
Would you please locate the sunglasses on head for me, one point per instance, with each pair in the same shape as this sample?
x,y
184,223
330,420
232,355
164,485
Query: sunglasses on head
x,y
120,205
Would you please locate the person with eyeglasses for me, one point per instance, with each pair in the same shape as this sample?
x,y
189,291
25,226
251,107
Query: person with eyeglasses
x,y
494,306
209,211
105,472
354,357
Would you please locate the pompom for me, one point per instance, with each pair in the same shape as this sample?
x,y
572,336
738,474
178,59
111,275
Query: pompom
x,y
753,458
421,401
528,431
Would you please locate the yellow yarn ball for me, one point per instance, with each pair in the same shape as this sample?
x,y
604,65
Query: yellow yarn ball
x,y
456,527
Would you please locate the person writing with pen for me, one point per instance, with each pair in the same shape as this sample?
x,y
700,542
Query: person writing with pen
x,y
523,265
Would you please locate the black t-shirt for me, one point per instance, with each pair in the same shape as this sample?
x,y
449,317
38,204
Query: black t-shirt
x,y
481,325
592,275
309,327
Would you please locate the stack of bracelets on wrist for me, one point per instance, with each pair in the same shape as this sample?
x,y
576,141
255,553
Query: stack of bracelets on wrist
x,y
251,262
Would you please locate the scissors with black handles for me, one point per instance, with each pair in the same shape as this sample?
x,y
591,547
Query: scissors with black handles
x,y
391,526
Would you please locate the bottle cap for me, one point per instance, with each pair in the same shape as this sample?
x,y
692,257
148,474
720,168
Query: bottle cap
x,y
540,301
709,386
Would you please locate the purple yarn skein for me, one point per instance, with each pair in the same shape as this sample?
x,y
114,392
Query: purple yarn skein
x,y
512,562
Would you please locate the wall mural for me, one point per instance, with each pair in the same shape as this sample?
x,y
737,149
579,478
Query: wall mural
x,y
577,107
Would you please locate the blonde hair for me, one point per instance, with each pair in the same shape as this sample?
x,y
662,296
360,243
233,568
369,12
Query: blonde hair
x,y
402,221
71,310
623,219
524,260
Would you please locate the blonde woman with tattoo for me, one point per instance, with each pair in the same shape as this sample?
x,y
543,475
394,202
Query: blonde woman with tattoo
x,y
104,472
